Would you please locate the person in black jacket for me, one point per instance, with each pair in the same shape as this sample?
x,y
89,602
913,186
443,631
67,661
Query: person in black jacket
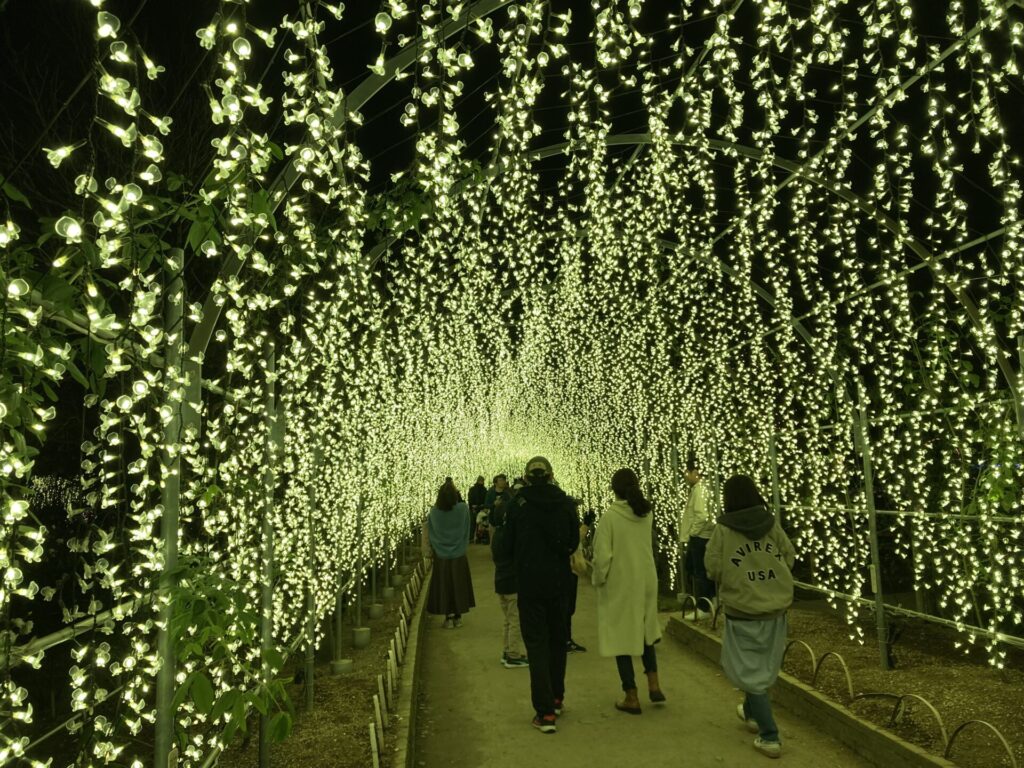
x,y
540,533
477,494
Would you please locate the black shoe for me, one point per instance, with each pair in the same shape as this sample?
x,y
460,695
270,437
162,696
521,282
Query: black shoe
x,y
573,647
545,724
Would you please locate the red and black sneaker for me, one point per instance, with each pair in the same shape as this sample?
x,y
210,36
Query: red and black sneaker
x,y
558,706
545,724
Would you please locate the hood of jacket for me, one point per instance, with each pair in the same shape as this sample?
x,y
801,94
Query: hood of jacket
x,y
622,509
753,522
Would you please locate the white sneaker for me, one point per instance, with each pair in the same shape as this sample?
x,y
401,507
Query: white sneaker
x,y
770,748
750,722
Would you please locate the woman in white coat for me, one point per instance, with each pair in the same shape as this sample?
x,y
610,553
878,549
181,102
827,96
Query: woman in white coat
x,y
627,588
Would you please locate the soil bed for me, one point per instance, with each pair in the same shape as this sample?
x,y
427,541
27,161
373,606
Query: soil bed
x,y
336,733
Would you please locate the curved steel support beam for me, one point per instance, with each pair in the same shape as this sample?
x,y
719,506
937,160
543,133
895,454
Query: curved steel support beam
x,y
285,180
926,257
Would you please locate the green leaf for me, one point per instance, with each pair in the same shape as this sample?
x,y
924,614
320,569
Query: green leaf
x,y
212,492
13,193
259,702
274,658
202,693
97,359
58,290
279,727
224,704
198,233
182,692
76,373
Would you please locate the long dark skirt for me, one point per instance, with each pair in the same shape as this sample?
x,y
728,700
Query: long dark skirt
x,y
451,587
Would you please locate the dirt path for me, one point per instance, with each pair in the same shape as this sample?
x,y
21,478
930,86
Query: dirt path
x,y
474,712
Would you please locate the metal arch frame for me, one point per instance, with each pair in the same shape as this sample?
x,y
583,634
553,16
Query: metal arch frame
x,y
796,170
289,175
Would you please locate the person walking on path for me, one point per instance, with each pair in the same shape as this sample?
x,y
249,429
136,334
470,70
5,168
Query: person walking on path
x,y
540,534
627,588
497,494
505,586
695,531
750,557
451,587
477,495
572,590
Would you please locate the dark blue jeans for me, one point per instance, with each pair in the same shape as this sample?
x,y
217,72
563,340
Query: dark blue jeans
x,y
625,665
758,707
702,585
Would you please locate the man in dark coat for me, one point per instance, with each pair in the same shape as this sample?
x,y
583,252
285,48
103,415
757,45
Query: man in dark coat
x,y
541,531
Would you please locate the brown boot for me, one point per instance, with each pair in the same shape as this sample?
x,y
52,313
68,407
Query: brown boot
x,y
630,704
654,688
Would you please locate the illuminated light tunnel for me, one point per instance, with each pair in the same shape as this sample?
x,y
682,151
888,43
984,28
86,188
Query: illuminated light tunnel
x,y
267,283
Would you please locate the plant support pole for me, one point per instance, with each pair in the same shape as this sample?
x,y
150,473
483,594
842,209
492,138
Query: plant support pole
x,y
1019,399
869,501
171,502
310,596
267,539
773,453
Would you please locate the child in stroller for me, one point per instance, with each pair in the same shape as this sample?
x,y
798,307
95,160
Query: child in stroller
x,y
483,530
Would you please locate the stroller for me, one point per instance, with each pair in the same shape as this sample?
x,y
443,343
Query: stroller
x,y
483,530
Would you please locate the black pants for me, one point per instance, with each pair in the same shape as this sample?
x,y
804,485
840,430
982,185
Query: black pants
x,y
542,623
702,585
625,665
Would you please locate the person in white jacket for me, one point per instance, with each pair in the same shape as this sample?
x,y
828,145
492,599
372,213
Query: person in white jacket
x,y
695,530
627,588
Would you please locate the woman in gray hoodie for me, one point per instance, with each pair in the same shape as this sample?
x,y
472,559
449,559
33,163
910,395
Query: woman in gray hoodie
x,y
750,557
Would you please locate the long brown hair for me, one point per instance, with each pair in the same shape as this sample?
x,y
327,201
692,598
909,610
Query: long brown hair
x,y
626,485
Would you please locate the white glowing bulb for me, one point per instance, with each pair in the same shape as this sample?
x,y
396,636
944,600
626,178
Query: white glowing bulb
x,y
17,287
69,228
108,24
382,22
132,193
242,48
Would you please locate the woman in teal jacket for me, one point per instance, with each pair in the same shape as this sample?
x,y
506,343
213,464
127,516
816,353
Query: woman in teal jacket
x,y
451,586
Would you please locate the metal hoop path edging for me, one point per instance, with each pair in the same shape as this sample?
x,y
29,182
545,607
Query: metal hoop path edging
x,y
874,695
689,599
900,709
810,652
842,662
952,739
